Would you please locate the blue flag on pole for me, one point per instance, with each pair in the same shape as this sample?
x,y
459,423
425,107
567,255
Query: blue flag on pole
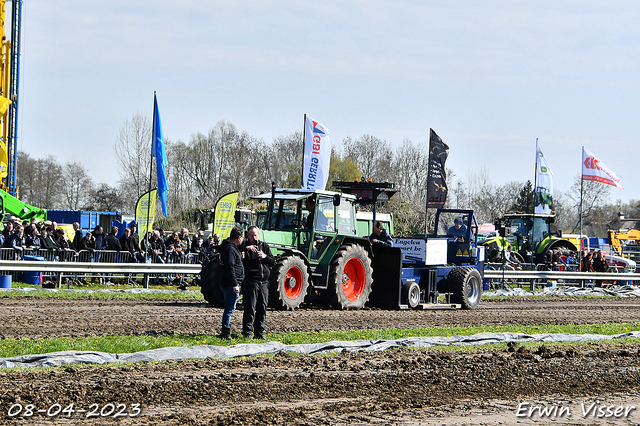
x,y
158,151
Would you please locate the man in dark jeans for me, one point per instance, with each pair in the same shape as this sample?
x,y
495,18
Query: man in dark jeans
x,y
231,277
258,261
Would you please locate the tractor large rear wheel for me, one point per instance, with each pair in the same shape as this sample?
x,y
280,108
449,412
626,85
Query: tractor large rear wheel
x,y
289,283
465,284
350,278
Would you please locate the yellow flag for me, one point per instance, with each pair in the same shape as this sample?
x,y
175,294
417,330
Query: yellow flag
x,y
146,212
225,214
4,160
4,105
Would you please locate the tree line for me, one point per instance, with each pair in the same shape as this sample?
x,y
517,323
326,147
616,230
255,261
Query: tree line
x,y
226,159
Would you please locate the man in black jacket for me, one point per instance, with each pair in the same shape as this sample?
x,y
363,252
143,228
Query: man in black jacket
x,y
258,261
113,243
125,241
231,277
379,235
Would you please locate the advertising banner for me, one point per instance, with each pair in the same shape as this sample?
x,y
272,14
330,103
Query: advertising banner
x,y
224,216
146,212
544,184
437,177
317,155
596,170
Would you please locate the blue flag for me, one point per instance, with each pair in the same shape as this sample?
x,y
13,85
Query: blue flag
x,y
158,151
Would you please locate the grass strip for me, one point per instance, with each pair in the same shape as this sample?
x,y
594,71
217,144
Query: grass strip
x,y
64,294
128,344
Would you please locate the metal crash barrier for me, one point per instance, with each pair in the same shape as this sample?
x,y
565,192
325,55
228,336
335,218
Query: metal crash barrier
x,y
99,265
509,278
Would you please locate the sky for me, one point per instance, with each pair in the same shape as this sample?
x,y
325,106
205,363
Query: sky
x,y
489,77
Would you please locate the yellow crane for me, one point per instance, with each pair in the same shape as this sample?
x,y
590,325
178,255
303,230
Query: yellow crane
x,y
9,75
616,236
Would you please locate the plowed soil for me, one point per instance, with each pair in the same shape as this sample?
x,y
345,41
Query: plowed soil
x,y
581,384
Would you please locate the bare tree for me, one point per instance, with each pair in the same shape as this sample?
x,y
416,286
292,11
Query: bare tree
x,y
105,198
410,169
133,152
287,159
373,156
39,181
183,192
595,196
76,185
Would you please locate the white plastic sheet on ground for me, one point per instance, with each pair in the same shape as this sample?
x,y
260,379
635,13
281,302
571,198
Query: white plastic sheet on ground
x,y
57,359
615,291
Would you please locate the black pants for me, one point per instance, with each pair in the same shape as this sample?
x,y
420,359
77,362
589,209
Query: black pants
x,y
255,296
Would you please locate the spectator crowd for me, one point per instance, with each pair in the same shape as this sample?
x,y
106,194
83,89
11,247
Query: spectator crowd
x,y
30,236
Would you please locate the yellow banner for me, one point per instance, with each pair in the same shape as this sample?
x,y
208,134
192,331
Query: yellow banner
x,y
225,214
146,212
4,160
4,105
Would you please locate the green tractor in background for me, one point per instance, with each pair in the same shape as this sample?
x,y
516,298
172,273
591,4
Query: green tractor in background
x,y
529,234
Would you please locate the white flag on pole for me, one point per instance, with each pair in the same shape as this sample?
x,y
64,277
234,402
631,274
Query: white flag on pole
x,y
317,155
544,184
594,169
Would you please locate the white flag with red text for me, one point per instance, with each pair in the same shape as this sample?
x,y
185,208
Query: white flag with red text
x,y
317,155
594,169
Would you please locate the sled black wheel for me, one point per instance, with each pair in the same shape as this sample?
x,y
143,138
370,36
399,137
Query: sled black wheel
x,y
411,294
350,278
465,284
289,283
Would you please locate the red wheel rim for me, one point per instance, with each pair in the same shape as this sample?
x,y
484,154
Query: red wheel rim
x,y
353,279
293,282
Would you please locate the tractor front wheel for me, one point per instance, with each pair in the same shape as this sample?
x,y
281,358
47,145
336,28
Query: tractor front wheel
x,y
289,283
350,278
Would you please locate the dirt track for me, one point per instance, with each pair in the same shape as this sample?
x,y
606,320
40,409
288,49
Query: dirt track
x,y
40,317
409,386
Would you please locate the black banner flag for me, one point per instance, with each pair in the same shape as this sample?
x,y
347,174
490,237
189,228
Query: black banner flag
x,y
437,178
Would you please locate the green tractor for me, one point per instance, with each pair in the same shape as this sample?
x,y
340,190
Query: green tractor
x,y
529,234
313,236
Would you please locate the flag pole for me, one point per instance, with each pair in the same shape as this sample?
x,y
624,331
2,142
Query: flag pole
x,y
535,176
146,237
304,141
426,208
535,202
581,200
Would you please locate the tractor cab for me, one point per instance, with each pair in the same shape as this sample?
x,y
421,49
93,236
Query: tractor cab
x,y
525,232
460,228
306,220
